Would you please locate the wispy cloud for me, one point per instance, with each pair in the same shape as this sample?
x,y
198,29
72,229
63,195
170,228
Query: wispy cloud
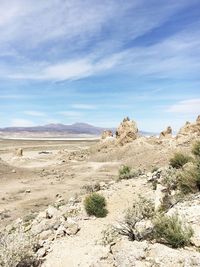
x,y
12,96
70,70
186,106
84,106
66,29
70,113
19,122
35,113
98,60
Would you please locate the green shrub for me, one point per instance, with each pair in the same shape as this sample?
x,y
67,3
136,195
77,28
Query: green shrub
x,y
179,160
171,230
189,180
95,204
141,209
126,173
196,149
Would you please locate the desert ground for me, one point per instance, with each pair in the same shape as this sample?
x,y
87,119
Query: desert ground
x,y
44,185
46,170
31,182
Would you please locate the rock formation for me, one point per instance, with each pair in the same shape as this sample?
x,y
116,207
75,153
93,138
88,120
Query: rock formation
x,y
106,133
166,133
190,129
19,152
126,132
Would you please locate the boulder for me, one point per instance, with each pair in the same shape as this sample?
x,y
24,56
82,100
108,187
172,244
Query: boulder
x,y
163,256
166,133
130,253
45,234
126,132
72,228
106,133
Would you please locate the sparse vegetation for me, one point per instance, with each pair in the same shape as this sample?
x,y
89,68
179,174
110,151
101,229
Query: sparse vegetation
x,y
196,149
141,209
125,172
109,236
17,249
95,204
189,180
179,160
91,188
171,230
169,179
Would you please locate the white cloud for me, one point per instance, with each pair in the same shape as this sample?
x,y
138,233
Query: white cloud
x,y
64,27
70,70
21,123
84,106
70,113
186,106
181,59
34,113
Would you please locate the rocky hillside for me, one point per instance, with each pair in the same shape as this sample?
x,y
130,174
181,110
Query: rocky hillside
x,y
147,215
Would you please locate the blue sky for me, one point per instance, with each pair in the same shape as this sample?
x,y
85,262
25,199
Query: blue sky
x,y
66,61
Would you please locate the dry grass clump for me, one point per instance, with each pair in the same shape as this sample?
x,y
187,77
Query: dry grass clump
x,y
189,179
141,209
169,179
171,230
196,149
17,249
125,173
95,204
91,188
179,160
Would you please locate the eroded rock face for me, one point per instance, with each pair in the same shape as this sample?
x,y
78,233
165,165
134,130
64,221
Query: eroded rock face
x,y
166,133
126,132
190,129
106,133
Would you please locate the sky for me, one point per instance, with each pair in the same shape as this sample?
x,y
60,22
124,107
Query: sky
x,y
67,61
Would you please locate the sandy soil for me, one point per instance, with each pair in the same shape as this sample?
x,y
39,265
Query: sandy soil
x,y
30,183
82,249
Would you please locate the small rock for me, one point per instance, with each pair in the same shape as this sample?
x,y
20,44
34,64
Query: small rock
x,y
41,252
51,212
61,231
45,234
28,191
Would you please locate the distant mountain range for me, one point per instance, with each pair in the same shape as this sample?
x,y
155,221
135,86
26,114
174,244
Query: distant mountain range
x,y
59,129
73,129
